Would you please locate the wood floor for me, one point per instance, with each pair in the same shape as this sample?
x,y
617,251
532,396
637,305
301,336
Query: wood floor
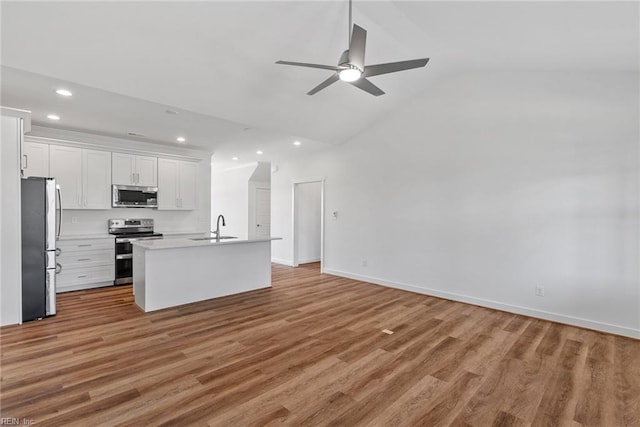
x,y
311,351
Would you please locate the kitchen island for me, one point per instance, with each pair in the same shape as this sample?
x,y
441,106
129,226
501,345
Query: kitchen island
x,y
171,272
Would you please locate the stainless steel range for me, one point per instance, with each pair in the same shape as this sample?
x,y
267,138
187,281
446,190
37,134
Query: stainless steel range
x,y
127,231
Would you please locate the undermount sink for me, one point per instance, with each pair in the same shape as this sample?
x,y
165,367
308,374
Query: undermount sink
x,y
215,238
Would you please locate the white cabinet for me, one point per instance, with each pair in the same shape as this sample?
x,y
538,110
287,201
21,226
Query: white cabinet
x,y
187,172
35,159
65,165
84,176
96,179
129,169
86,263
176,184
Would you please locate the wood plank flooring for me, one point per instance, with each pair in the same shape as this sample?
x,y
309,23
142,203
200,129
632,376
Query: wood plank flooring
x,y
311,351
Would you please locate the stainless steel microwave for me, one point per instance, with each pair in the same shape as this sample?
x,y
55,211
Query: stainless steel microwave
x,y
134,196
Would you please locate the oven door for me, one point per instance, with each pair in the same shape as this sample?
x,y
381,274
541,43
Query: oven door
x,y
124,262
124,258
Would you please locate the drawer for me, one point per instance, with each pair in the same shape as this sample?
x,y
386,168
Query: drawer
x,y
79,276
88,258
79,245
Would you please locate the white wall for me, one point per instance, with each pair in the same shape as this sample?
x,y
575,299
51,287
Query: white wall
x,y
230,197
95,221
307,221
486,186
10,235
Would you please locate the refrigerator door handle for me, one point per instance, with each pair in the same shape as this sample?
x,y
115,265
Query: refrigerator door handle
x,y
59,210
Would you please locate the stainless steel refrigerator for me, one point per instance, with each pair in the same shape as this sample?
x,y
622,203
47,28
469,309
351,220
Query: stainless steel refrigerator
x,y
41,220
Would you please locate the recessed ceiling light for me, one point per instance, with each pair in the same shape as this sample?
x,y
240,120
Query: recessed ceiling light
x,y
53,117
259,152
297,143
180,139
63,92
234,158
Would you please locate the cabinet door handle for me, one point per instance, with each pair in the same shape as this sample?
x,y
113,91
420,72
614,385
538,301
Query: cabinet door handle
x,y
80,276
84,259
26,161
84,246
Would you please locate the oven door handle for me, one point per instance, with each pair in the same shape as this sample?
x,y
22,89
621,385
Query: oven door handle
x,y
124,256
125,239
133,239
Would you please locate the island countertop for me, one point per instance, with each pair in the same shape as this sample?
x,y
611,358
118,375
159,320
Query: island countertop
x,y
185,242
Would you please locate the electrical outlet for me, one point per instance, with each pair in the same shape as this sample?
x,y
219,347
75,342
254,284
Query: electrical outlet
x,y
74,220
540,291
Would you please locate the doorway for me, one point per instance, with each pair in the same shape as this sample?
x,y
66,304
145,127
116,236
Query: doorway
x,y
308,222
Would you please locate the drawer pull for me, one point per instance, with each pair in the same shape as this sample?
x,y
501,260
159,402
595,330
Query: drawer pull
x,y
84,259
81,276
84,246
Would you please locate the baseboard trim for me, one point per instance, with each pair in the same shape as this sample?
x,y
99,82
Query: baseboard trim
x,y
540,314
282,261
307,261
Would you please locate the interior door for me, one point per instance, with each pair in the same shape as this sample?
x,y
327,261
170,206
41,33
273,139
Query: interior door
x,y
263,212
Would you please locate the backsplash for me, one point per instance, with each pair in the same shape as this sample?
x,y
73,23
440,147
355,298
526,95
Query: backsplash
x,y
95,221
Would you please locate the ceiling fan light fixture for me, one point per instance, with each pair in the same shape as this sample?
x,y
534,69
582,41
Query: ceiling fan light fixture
x,y
350,74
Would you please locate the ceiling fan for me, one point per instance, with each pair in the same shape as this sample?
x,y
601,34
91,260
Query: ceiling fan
x,y
351,68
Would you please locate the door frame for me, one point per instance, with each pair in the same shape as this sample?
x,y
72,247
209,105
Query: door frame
x,y
294,240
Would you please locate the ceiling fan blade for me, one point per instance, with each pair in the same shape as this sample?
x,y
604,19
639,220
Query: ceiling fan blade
x,y
331,80
357,46
367,86
304,64
392,67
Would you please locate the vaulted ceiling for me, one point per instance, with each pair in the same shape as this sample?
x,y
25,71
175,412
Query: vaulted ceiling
x,y
213,62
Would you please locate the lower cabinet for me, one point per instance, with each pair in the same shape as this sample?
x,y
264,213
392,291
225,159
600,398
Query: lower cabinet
x,y
86,263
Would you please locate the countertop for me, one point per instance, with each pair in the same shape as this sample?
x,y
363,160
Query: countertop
x,y
184,242
86,236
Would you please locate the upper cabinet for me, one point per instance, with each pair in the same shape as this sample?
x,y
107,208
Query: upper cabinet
x,y
35,159
176,184
129,169
96,179
65,165
84,176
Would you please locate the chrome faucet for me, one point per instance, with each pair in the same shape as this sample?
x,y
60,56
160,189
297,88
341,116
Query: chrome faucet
x,y
217,232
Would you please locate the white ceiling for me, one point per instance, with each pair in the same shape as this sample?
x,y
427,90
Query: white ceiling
x,y
213,62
